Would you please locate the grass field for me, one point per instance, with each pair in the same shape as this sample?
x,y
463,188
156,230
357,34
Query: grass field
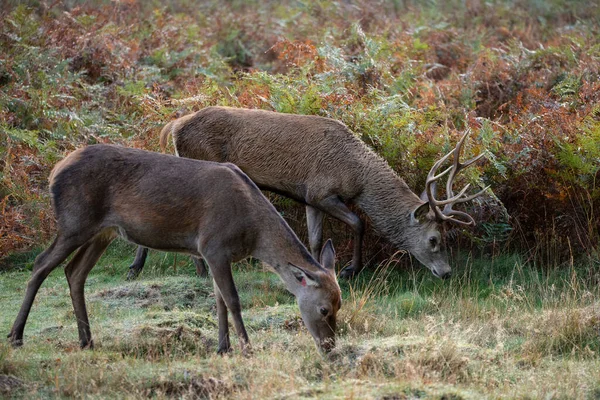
x,y
497,329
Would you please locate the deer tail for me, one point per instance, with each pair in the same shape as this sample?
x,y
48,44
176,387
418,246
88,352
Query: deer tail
x,y
164,135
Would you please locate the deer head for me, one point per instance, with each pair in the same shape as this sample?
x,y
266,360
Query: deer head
x,y
318,296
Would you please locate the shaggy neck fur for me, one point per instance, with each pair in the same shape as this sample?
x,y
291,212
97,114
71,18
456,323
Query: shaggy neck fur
x,y
388,201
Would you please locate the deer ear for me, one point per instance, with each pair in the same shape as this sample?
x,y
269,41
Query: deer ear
x,y
303,277
328,256
418,215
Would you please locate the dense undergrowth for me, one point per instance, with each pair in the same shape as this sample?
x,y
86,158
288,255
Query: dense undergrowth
x,y
407,77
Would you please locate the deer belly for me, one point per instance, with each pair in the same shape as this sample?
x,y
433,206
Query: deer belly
x,y
166,241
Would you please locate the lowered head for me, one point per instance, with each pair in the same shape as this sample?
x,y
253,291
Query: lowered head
x,y
319,297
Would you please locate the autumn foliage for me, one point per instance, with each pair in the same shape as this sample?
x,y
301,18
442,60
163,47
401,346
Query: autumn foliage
x,y
406,77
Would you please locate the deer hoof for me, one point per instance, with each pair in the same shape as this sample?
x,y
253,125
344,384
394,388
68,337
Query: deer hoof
x,y
225,349
132,274
15,342
247,351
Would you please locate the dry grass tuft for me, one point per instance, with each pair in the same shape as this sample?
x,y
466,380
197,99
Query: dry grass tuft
x,y
439,359
573,331
153,343
9,383
143,296
359,313
191,387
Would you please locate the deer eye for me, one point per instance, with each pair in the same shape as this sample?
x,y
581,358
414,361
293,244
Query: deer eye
x,y
432,241
323,311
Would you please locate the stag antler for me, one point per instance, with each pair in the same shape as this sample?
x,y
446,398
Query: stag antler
x,y
448,214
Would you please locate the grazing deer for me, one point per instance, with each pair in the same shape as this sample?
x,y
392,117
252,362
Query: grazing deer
x,y
202,208
319,162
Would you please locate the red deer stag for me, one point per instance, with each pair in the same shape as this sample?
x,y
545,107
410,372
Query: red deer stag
x,y
205,209
320,162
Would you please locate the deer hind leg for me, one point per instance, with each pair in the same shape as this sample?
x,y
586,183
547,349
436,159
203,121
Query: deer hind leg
x,y
47,261
337,209
77,271
223,281
200,267
138,263
314,221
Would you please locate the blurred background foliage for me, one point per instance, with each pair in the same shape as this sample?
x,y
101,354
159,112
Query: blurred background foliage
x,y
406,76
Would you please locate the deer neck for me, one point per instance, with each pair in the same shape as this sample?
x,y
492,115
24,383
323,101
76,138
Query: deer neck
x,y
279,246
388,202
281,250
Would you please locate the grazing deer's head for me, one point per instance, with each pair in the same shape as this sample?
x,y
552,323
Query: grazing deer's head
x,y
425,240
319,297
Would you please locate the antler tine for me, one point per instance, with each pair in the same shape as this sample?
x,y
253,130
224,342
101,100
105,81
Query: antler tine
x,y
456,165
454,198
433,202
448,214
431,175
431,180
470,197
471,161
450,217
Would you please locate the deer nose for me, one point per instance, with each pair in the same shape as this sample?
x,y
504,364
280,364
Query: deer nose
x,y
328,344
446,275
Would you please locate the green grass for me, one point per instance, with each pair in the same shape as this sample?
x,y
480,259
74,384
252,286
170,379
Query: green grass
x,y
498,329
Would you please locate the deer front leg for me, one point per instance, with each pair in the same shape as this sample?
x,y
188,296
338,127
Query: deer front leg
x,y
138,263
77,271
314,222
337,209
224,342
223,280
